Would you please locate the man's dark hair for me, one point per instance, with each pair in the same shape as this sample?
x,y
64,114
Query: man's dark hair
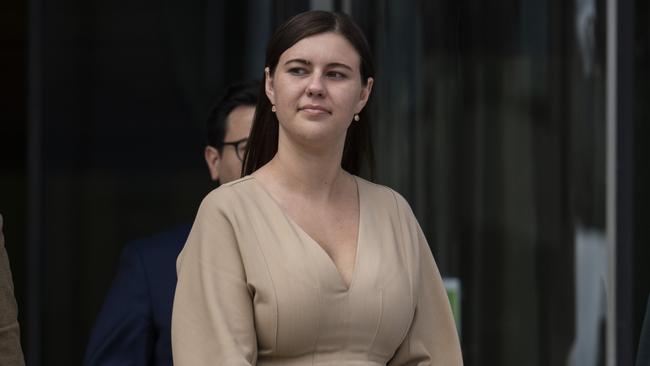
x,y
236,95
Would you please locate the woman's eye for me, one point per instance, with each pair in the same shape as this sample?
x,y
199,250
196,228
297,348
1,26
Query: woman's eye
x,y
297,71
336,75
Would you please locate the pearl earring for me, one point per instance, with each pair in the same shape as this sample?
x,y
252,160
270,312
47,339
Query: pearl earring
x,y
356,117
273,109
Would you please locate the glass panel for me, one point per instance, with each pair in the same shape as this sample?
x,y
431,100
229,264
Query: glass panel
x,y
641,235
489,117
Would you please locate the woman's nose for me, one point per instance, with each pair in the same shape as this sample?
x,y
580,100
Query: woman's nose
x,y
315,87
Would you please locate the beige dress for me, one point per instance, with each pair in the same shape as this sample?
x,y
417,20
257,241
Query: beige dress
x,y
255,289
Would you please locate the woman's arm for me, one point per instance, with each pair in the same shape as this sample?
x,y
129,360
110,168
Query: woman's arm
x,y
432,338
212,317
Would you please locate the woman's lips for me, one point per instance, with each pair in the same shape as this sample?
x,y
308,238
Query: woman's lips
x,y
314,110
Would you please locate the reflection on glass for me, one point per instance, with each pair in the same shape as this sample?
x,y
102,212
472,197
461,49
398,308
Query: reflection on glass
x,y
489,117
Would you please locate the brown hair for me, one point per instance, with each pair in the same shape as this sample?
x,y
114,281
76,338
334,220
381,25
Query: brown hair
x,y
263,139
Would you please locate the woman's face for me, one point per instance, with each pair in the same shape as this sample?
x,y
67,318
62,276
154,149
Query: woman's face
x,y
317,89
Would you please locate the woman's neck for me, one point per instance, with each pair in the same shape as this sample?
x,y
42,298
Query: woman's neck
x,y
314,174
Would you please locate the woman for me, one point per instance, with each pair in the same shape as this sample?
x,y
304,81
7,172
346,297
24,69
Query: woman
x,y
300,262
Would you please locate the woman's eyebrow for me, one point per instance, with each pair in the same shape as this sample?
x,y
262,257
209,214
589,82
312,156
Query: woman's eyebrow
x,y
298,60
339,64
306,62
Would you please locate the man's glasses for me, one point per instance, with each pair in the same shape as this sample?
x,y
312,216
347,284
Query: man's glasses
x,y
240,147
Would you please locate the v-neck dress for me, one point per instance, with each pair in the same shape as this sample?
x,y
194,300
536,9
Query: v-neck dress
x,y
255,289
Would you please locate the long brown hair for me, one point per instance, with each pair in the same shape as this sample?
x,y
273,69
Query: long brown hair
x,y
263,139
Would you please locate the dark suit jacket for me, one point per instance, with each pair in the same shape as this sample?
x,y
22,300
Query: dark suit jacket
x,y
11,353
134,325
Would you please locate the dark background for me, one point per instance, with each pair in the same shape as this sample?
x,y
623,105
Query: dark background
x,y
481,121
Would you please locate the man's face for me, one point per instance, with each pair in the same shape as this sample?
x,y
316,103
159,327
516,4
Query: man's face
x,y
238,126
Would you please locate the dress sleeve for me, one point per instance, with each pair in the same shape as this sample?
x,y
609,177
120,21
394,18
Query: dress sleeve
x,y
212,317
123,332
432,338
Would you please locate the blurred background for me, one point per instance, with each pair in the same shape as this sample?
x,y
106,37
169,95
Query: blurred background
x,y
515,128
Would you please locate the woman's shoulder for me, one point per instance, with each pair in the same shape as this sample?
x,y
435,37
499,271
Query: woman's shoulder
x,y
385,205
228,194
381,194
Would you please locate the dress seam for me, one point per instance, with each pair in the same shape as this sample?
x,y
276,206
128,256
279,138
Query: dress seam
x,y
401,247
380,316
317,338
405,341
266,264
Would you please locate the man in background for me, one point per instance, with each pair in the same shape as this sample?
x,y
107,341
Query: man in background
x,y
134,324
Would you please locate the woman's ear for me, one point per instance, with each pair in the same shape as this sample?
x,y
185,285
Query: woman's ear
x,y
365,94
268,85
